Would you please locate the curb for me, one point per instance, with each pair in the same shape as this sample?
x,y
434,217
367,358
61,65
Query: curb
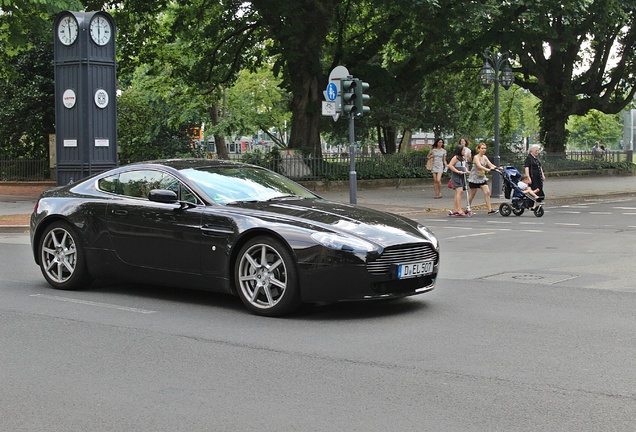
x,y
14,229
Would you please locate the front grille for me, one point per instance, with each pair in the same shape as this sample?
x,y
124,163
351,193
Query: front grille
x,y
401,254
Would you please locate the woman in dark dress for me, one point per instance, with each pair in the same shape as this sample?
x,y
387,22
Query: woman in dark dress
x,y
533,169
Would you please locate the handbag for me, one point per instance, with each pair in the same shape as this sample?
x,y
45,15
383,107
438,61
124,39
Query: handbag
x,y
429,163
450,183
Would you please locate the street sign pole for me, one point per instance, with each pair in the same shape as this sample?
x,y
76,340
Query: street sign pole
x,y
352,164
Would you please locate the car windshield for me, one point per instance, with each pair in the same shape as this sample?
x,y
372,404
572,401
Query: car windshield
x,y
226,185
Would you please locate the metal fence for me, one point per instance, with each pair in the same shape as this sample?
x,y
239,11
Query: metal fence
x,y
338,166
24,170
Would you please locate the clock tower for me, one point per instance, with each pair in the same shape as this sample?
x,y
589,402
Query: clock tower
x,y
85,100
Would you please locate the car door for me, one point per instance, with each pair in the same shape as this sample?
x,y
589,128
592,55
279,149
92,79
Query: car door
x,y
151,234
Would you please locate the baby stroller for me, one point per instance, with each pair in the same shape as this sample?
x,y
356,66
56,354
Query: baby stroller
x,y
520,201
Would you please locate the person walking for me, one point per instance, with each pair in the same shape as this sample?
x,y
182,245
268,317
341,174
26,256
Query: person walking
x,y
468,154
457,165
477,178
534,170
438,166
596,151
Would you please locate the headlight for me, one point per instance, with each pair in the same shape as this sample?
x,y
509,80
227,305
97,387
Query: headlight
x,y
429,235
338,242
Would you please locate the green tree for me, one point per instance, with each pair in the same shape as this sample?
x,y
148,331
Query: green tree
x,y
257,102
27,116
574,56
155,113
592,127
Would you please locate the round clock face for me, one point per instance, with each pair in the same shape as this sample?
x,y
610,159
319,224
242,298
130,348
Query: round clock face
x,y
100,30
67,30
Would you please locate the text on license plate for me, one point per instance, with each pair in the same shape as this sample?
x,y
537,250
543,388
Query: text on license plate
x,y
414,269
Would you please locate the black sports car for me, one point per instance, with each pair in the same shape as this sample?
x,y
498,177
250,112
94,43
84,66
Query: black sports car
x,y
227,227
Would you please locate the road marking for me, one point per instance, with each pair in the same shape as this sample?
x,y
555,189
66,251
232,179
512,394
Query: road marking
x,y
601,213
90,303
470,235
625,208
568,212
567,224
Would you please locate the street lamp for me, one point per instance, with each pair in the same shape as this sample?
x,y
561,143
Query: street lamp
x,y
500,74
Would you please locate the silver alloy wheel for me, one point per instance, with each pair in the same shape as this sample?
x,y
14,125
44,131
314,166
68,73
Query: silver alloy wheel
x,y
262,276
59,255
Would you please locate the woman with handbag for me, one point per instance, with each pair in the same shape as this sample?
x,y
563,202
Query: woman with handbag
x,y
457,165
437,160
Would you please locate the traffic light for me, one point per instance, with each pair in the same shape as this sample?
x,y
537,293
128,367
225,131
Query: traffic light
x,y
348,95
360,97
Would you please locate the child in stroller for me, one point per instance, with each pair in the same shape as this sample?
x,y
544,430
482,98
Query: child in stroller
x,y
523,197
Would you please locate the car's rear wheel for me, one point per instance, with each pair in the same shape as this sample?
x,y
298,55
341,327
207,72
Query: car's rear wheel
x,y
62,259
266,277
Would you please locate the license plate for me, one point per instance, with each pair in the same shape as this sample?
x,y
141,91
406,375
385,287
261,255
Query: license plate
x,y
414,269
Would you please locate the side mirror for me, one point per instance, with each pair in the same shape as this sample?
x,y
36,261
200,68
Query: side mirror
x,y
163,196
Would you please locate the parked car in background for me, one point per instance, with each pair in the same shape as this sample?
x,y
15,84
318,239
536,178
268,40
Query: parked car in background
x,y
227,227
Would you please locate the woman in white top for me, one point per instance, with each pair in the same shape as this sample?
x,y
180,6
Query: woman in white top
x,y
477,178
468,154
438,154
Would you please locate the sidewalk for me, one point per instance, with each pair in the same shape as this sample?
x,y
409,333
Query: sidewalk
x,y
17,200
418,198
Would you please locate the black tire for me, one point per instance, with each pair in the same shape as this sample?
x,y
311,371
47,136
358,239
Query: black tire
x,y
266,277
505,209
538,212
62,258
518,211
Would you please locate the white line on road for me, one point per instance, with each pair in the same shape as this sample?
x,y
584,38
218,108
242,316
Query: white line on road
x,y
601,213
568,212
90,303
568,224
470,235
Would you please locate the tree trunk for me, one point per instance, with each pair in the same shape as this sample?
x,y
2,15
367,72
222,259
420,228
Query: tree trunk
x,y
299,29
219,140
553,131
388,137
405,143
306,112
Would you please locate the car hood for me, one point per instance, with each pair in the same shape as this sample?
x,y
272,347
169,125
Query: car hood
x,y
380,227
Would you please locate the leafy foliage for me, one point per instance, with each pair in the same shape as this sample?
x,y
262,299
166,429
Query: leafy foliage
x,y
26,96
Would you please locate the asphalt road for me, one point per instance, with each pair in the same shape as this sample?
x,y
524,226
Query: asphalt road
x,y
531,328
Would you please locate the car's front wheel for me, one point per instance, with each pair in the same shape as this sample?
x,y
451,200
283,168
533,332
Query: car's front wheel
x,y
266,277
62,259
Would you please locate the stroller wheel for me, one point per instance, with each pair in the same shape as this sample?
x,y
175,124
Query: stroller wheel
x,y
517,211
538,212
505,209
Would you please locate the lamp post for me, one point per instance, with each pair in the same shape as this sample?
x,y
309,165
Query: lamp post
x,y
500,74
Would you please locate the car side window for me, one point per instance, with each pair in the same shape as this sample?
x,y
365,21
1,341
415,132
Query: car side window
x,y
139,183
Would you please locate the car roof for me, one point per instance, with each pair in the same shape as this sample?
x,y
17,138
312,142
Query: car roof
x,y
181,164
